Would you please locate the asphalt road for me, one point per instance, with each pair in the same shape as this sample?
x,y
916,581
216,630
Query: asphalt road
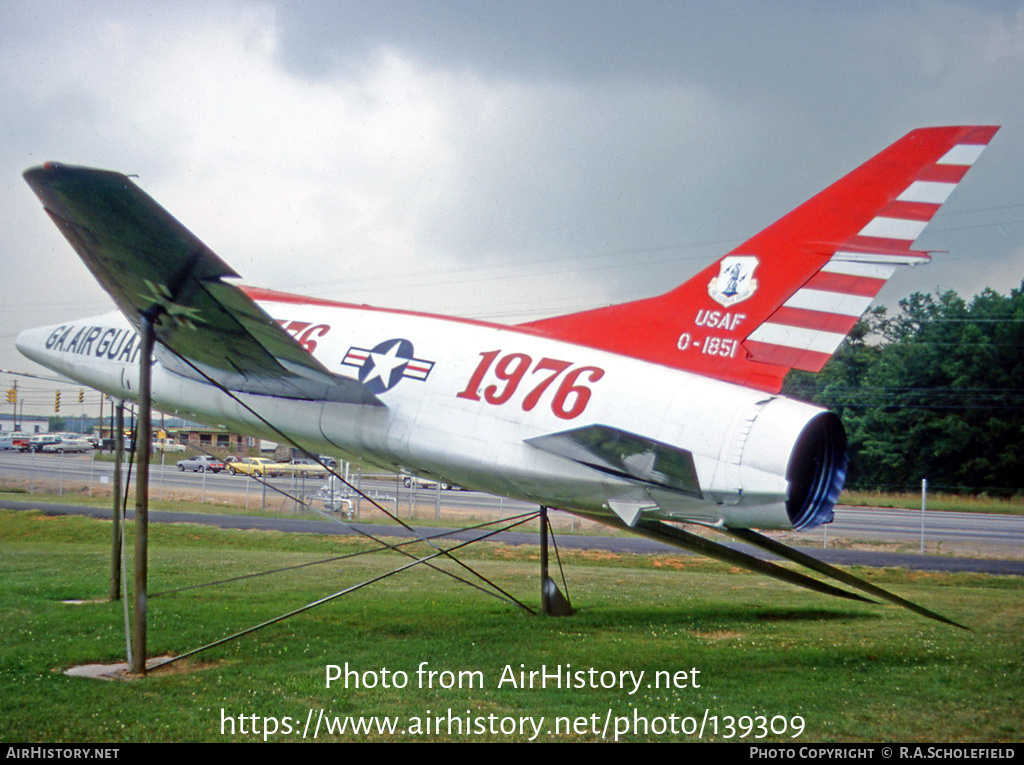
x,y
56,471
565,541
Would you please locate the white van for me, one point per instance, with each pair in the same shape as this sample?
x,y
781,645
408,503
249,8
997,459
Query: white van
x,y
38,443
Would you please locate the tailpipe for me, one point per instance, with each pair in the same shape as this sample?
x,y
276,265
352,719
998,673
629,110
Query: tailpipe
x,y
816,472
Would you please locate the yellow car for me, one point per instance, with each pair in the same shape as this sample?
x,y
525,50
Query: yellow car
x,y
256,467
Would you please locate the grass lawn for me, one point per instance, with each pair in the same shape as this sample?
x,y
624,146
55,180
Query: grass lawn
x,y
957,503
736,653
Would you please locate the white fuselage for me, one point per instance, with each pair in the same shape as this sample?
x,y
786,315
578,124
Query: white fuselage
x,y
461,399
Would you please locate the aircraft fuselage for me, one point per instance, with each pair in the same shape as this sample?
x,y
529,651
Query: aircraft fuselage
x,y
463,399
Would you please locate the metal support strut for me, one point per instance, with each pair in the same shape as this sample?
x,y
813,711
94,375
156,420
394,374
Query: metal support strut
x,y
552,602
118,511
143,446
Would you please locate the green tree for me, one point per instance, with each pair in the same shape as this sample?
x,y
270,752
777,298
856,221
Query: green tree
x,y
934,391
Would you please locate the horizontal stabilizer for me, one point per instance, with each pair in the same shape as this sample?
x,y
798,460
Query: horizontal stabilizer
x,y
625,455
150,264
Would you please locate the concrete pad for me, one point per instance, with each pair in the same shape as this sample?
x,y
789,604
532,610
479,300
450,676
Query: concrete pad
x,y
117,671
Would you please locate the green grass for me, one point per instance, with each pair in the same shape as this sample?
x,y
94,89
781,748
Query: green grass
x,y
960,503
280,508
211,506
852,672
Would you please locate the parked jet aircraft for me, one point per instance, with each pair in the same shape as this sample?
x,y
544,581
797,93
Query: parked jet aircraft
x,y
644,415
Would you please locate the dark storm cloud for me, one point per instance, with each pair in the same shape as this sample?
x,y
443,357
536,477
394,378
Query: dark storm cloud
x,y
494,158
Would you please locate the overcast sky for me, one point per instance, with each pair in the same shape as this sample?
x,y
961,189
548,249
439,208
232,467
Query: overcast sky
x,y
501,160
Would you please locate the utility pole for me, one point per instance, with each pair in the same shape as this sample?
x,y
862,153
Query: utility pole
x,y
12,396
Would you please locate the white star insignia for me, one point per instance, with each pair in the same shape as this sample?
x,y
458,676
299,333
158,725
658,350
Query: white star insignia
x,y
384,364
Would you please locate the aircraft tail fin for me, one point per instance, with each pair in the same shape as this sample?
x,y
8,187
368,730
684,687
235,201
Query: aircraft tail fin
x,y
788,296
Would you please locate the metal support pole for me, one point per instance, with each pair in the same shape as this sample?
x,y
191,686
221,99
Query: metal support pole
x,y
552,601
115,550
924,498
545,600
143,447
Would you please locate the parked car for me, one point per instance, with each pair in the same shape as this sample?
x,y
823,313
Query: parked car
x,y
14,439
200,464
21,441
415,482
69,444
256,467
167,445
38,443
304,468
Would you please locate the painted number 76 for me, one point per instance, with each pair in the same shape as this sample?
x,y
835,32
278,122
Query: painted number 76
x,y
570,398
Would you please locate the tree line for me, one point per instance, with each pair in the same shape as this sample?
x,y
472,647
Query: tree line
x,y
934,390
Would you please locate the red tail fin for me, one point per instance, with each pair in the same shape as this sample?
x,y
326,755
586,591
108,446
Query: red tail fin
x,y
787,297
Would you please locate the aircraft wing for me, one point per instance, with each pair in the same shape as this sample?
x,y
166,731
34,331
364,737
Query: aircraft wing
x,y
150,263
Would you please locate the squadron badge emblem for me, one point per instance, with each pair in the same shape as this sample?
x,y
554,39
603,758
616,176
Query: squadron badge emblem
x,y
735,281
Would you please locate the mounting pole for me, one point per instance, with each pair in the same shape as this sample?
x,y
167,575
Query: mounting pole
x,y
143,446
552,602
115,548
545,599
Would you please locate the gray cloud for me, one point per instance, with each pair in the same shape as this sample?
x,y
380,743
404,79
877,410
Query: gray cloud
x,y
495,159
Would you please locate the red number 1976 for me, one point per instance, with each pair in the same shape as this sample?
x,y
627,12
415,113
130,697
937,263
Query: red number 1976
x,y
570,398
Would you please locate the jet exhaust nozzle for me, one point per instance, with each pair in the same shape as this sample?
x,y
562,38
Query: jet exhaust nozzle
x,y
817,470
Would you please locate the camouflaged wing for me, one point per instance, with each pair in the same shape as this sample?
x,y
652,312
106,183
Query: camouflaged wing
x,y
150,263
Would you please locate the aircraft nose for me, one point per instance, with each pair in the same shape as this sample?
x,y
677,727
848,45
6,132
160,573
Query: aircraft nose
x,y
31,343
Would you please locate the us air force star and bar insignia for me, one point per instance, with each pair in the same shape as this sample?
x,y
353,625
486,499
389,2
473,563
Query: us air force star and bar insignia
x,y
735,281
383,366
